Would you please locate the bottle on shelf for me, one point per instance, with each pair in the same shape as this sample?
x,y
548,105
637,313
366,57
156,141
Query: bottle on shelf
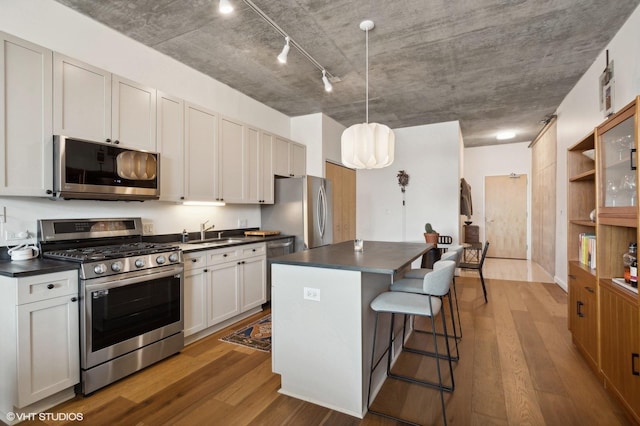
x,y
627,259
634,273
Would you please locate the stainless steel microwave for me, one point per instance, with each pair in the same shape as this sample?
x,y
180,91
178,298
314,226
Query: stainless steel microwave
x,y
102,171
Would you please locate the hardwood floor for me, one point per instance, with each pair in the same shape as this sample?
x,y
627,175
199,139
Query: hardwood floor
x,y
517,366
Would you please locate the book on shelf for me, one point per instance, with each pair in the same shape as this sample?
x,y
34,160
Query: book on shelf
x,y
587,250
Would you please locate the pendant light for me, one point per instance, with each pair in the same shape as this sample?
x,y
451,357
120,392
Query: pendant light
x,y
367,145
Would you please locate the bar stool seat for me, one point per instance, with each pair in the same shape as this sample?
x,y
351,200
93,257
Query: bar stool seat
x,y
426,304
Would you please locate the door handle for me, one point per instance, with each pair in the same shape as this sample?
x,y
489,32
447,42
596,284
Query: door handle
x,y
634,356
579,309
631,165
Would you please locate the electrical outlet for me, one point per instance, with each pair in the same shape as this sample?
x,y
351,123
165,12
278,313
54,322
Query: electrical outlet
x,y
147,228
312,294
242,223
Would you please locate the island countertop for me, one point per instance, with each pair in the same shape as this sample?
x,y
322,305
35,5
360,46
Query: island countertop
x,y
381,257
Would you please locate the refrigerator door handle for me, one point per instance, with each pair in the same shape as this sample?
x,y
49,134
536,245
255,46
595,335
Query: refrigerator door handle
x,y
322,211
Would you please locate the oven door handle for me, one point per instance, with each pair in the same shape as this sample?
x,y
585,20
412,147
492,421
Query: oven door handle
x,y
175,270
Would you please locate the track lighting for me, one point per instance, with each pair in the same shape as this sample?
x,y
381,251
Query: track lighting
x,y
225,7
282,57
327,77
327,84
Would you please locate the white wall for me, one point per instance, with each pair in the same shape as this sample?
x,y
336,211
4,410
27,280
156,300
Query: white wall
x,y
52,25
430,155
331,136
579,113
496,160
307,129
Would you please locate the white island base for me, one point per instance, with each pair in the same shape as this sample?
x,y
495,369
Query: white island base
x,y
322,348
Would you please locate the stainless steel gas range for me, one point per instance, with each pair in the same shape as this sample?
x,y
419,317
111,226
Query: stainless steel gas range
x,y
131,295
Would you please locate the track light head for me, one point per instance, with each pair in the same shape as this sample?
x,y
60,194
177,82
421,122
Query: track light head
x,y
282,57
225,7
327,84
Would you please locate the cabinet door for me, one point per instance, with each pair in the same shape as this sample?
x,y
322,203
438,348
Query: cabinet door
x,y
583,313
254,282
231,161
170,144
195,301
81,100
298,160
201,139
48,347
281,157
133,117
253,165
266,167
223,296
26,151
620,343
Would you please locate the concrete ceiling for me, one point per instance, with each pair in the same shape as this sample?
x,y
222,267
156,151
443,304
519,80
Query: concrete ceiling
x,y
491,64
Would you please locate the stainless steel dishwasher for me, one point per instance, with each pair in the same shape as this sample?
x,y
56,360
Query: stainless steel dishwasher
x,y
276,248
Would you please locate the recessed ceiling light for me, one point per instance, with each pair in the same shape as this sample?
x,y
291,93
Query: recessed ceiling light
x,y
508,134
225,7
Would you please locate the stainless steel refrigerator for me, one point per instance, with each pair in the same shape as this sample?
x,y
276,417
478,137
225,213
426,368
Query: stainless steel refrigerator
x,y
302,208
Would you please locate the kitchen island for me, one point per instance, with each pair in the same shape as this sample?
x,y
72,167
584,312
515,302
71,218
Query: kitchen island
x,y
323,325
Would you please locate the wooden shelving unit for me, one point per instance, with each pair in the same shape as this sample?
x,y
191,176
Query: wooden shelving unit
x,y
604,317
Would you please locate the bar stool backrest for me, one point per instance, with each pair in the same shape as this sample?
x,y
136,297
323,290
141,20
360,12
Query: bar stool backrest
x,y
437,283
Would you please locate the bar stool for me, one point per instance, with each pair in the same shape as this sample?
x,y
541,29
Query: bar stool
x,y
416,286
421,272
426,304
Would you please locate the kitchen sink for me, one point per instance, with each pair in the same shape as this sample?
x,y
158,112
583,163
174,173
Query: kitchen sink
x,y
216,241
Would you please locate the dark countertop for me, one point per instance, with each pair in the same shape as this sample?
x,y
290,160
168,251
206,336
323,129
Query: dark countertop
x,y
241,240
379,257
41,266
23,268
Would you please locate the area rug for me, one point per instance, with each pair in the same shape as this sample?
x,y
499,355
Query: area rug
x,y
256,335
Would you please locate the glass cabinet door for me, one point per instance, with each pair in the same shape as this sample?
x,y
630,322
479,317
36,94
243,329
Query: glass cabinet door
x,y
618,165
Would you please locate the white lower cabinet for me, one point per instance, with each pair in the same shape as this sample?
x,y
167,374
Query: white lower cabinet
x,y
221,284
40,354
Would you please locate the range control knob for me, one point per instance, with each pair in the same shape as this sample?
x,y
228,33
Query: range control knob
x,y
139,263
160,260
173,257
116,266
100,268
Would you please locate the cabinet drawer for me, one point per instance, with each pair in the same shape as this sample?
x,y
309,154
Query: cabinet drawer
x,y
40,287
195,260
215,257
254,250
583,278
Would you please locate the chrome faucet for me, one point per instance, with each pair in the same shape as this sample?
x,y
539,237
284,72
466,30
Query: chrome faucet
x,y
204,229
220,234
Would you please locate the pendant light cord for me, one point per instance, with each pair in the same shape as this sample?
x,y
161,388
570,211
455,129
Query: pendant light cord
x,y
367,73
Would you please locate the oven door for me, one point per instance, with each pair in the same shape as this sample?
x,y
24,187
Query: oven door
x,y
122,315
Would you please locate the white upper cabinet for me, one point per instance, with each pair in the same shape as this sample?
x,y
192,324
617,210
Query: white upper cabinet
x,y
232,162
25,118
260,168
201,141
170,144
133,114
91,103
81,100
289,158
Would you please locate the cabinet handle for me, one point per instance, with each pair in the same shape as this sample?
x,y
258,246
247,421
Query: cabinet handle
x,y
634,356
572,277
578,311
49,192
107,140
116,141
194,260
225,255
633,167
205,270
74,299
182,198
590,289
50,286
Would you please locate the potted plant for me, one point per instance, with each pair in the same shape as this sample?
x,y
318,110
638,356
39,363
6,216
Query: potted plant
x,y
430,235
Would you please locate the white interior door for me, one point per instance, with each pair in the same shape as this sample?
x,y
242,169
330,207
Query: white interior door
x,y
506,216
